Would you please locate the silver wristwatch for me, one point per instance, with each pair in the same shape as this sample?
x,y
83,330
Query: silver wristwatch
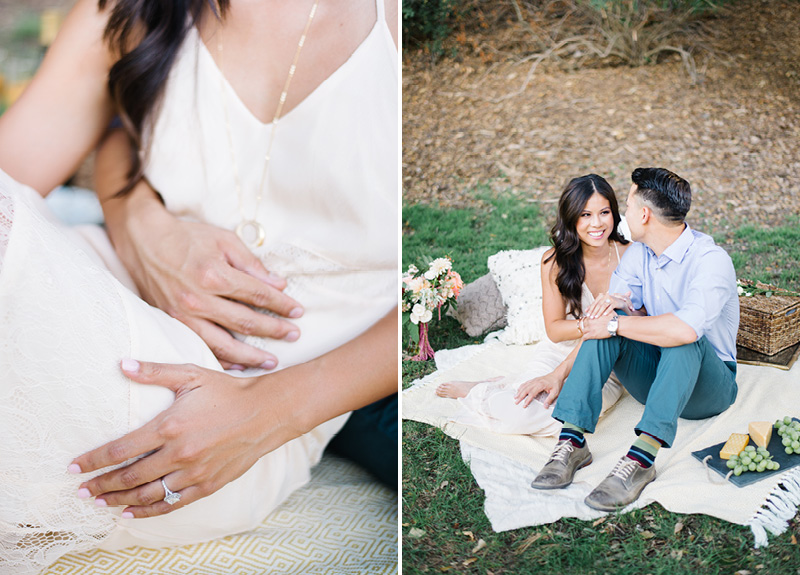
x,y
613,324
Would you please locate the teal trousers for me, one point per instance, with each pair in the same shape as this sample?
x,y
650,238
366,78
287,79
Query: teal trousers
x,y
688,381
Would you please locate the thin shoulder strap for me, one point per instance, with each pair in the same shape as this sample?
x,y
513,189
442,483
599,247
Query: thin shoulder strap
x,y
616,247
381,8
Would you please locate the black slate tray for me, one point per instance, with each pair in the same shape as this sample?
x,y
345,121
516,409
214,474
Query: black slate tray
x,y
775,448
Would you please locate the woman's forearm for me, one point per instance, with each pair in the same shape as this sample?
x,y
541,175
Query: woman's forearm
x,y
351,376
563,330
565,367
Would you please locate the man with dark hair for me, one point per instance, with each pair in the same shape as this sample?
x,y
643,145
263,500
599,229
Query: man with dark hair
x,y
673,346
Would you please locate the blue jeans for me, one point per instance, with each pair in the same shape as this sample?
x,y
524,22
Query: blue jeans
x,y
688,381
370,439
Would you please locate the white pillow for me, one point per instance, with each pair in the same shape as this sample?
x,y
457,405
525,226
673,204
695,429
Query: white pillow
x,y
517,274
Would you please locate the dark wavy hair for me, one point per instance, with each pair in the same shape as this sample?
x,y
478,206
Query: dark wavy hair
x,y
147,35
669,194
564,237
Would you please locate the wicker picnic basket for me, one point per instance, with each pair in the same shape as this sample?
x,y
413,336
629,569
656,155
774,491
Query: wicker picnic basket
x,y
768,324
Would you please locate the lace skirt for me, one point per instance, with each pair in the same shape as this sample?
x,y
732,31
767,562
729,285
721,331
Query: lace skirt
x,y
491,404
65,323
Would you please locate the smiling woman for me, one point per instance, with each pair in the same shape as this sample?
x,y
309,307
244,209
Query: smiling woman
x,y
586,249
240,359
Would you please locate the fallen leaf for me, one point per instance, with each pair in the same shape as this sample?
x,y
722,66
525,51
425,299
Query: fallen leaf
x,y
676,554
742,572
647,534
678,527
406,524
444,484
599,521
528,542
481,544
416,532
445,569
794,539
469,561
469,534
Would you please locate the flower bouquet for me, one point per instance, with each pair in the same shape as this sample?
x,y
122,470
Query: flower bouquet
x,y
423,293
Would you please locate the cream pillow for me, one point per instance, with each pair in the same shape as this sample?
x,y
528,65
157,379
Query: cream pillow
x,y
517,274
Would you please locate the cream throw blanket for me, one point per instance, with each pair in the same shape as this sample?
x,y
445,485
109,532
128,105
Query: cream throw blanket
x,y
504,465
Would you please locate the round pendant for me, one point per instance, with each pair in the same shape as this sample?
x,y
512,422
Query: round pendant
x,y
251,233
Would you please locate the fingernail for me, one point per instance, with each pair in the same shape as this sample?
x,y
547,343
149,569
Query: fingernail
x,y
84,493
130,365
127,515
292,336
269,364
74,468
100,502
296,312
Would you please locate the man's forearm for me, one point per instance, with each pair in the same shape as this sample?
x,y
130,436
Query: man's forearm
x,y
665,330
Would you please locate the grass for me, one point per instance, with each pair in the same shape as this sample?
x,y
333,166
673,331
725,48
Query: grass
x,y
443,515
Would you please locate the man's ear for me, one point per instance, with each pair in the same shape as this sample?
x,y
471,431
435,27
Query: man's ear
x,y
647,213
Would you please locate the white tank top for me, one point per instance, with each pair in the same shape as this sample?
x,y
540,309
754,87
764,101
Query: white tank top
x,y
330,209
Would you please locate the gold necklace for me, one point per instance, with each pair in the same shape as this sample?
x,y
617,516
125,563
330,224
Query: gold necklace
x,y
249,230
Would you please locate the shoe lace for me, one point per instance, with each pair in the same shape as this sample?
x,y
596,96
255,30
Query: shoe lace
x,y
624,468
562,451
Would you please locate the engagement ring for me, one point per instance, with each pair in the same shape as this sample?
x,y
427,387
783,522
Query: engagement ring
x,y
608,301
170,497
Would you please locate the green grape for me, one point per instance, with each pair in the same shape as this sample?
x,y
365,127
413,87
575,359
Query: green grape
x,y
775,465
738,470
789,450
759,458
761,466
731,463
787,441
796,445
746,460
787,420
750,448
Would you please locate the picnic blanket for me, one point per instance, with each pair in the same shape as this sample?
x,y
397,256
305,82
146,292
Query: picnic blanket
x,y
342,522
504,465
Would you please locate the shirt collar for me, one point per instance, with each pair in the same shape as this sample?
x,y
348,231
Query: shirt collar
x,y
676,251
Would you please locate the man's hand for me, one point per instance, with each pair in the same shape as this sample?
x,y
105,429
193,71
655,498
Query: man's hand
x,y
596,328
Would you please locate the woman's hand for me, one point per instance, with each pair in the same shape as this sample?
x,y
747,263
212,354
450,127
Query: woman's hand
x,y
605,303
215,430
219,425
198,273
530,390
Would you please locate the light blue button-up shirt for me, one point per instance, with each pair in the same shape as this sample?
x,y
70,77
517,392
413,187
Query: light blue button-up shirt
x,y
693,279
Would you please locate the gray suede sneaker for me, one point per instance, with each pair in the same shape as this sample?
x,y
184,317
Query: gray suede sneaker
x,y
622,486
562,465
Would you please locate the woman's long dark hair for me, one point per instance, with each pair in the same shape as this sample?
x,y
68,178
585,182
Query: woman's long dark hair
x,y
564,237
147,35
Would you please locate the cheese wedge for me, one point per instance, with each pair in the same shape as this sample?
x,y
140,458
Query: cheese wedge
x,y
760,432
734,446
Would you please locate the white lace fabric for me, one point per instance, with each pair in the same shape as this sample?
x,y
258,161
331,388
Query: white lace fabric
x,y
6,219
47,288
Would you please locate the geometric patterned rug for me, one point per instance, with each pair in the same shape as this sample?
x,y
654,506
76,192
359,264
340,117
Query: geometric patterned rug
x,y
342,523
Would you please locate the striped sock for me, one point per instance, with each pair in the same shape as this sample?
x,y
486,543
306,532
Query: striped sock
x,y
644,449
573,433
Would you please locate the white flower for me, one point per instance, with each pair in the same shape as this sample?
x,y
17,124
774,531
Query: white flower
x,y
412,269
739,289
419,313
438,267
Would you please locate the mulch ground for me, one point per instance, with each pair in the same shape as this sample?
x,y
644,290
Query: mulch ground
x,y
735,134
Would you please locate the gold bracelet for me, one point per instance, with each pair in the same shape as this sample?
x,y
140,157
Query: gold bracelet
x,y
580,329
